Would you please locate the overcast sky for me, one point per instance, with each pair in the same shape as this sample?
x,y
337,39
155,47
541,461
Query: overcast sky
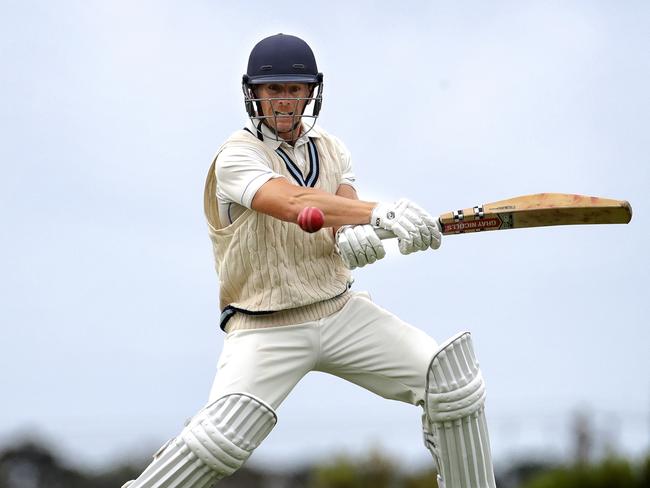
x,y
112,111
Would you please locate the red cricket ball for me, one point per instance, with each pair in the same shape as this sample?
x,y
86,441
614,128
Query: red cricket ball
x,y
311,219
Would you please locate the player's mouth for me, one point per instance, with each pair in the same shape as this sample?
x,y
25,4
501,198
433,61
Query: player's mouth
x,y
283,114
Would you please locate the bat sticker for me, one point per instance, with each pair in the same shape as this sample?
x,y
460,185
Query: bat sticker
x,y
493,223
507,221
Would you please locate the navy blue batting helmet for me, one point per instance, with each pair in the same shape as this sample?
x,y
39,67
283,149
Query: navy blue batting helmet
x,y
282,58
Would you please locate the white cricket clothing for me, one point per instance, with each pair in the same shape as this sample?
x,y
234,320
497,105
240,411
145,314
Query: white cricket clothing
x,y
361,343
242,170
266,265
272,272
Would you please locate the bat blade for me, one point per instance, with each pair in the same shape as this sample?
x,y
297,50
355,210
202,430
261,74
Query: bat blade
x,y
538,210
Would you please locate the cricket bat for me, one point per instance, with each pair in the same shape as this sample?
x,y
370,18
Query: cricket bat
x,y
539,210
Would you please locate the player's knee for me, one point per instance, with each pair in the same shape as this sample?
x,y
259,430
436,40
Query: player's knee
x,y
454,410
455,386
225,433
214,444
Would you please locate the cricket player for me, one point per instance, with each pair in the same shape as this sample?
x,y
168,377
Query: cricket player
x,y
285,295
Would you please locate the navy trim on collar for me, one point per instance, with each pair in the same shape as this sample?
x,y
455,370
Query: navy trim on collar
x,y
259,133
260,136
314,166
291,167
294,170
314,160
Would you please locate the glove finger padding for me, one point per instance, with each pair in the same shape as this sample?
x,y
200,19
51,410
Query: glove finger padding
x,y
365,248
375,242
404,239
421,233
409,236
436,235
430,231
357,246
370,243
414,227
345,250
433,226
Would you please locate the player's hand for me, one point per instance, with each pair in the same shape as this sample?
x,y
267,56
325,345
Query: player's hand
x,y
415,228
358,245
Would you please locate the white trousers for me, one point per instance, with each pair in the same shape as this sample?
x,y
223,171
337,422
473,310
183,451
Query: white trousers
x,y
361,343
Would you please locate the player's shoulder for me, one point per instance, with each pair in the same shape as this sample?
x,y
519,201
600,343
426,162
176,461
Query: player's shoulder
x,y
241,139
318,131
241,136
239,147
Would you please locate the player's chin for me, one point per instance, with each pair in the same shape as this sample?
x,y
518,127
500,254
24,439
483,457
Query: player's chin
x,y
285,126
289,131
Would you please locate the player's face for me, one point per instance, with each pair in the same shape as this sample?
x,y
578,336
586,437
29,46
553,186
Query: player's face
x,y
283,113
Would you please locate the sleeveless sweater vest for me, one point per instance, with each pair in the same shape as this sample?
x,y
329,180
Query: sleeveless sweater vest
x,y
265,264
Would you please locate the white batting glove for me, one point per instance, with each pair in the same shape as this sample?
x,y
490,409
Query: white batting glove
x,y
358,245
415,228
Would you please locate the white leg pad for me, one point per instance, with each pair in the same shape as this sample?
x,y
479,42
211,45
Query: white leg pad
x,y
455,427
214,444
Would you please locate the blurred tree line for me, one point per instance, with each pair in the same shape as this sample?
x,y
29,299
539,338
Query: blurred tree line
x,y
30,464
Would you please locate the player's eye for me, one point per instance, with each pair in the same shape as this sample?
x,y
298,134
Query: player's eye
x,y
296,90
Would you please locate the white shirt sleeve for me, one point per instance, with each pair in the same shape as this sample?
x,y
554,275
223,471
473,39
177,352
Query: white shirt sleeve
x,y
241,171
345,160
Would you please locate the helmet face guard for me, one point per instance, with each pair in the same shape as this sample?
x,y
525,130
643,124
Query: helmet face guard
x,y
303,120
283,59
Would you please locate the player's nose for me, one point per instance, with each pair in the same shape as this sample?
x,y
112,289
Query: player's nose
x,y
284,102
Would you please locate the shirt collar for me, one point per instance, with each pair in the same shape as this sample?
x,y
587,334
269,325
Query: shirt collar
x,y
269,136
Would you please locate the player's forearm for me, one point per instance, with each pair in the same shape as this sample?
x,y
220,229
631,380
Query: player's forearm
x,y
338,210
345,191
284,201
